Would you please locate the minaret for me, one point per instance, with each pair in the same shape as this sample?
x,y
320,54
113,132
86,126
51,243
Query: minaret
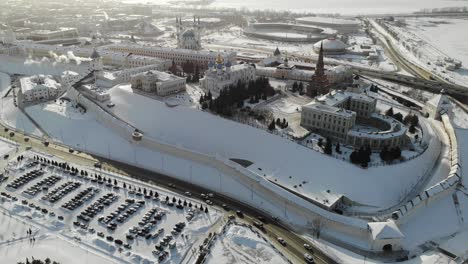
x,y
96,61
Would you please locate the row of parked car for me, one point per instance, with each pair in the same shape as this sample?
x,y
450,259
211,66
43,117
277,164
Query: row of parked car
x,y
122,213
98,206
147,224
24,179
40,209
79,199
60,192
43,185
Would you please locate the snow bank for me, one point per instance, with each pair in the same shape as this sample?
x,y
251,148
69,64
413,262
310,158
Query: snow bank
x,y
241,245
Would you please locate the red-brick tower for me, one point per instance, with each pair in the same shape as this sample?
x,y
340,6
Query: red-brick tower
x,y
319,83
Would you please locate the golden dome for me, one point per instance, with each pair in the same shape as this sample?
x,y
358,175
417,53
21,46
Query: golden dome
x,y
219,60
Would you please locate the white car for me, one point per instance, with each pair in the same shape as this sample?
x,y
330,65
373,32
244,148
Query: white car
x,y
281,241
308,258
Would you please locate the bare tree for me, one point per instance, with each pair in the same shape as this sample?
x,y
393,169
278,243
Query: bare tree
x,y
317,226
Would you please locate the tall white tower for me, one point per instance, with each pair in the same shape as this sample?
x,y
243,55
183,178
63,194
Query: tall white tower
x,y
96,61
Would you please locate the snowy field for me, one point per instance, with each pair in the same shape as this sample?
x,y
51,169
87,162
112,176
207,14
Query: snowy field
x,y
239,244
446,34
50,246
85,235
11,229
6,146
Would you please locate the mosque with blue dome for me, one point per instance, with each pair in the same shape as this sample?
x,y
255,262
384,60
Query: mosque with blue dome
x,y
188,37
221,74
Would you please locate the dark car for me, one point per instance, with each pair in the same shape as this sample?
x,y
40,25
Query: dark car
x,y
239,214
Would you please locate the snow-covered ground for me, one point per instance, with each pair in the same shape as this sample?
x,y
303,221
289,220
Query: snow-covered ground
x,y
11,229
6,146
239,244
50,246
444,34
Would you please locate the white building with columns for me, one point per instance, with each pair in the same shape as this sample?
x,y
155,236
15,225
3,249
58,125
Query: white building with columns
x,y
336,114
221,75
159,83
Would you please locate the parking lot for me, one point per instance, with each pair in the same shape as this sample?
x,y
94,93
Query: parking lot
x,y
123,218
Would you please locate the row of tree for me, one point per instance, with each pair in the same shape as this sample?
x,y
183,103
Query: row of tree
x,y
281,124
38,261
410,120
361,156
298,87
389,155
235,95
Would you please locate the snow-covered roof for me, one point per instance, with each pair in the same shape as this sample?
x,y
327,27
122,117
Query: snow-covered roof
x,y
331,44
161,76
336,97
70,73
150,47
385,230
38,82
329,109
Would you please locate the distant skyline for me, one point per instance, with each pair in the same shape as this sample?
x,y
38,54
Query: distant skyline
x,y
345,7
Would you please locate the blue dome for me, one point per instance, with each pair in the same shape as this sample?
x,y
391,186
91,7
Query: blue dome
x,y
228,64
210,64
220,66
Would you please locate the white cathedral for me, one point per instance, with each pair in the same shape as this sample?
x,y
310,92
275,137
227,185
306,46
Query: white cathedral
x,y
188,37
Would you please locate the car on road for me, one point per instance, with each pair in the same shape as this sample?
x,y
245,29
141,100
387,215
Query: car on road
x,y
281,241
225,207
259,225
240,214
308,258
308,247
